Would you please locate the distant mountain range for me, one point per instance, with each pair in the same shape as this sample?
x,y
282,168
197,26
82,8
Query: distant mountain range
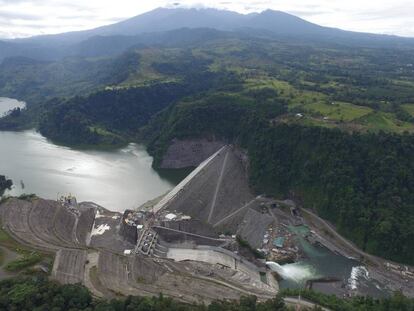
x,y
117,37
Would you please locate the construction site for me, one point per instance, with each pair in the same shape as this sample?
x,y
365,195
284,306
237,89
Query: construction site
x,y
208,238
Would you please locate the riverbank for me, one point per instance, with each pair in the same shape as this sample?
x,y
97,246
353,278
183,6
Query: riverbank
x,y
394,276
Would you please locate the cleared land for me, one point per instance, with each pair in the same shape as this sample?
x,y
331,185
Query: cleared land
x,y
339,110
66,232
69,266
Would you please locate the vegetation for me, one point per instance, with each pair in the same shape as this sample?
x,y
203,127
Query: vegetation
x,y
4,184
27,197
356,89
34,81
7,241
27,257
109,117
37,293
21,263
363,183
221,115
319,121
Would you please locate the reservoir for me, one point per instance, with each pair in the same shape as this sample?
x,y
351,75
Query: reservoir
x,y
116,179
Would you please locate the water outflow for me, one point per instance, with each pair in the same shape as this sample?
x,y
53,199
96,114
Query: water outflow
x,y
298,272
358,274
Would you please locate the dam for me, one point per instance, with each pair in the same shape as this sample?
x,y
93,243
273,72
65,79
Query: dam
x,y
210,232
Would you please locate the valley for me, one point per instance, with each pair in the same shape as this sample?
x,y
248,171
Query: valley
x,y
179,239
209,158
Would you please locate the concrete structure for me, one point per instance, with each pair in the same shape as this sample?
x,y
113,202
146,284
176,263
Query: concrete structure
x,y
216,189
173,193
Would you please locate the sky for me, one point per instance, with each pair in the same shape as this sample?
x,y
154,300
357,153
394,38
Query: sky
x,y
23,18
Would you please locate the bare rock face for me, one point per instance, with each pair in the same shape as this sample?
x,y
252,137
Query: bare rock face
x,y
189,153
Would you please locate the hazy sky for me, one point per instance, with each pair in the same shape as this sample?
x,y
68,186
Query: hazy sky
x,y
21,18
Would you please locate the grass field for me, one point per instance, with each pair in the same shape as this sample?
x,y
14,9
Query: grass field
x,y
145,74
382,121
319,111
339,110
26,261
28,257
7,241
295,98
409,108
2,255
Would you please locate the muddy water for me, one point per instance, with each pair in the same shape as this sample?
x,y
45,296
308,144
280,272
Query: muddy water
x,y
117,179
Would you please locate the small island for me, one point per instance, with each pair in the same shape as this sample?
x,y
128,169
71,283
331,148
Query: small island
x,y
4,184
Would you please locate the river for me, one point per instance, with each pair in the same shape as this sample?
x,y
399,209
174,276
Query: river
x,y
319,262
117,179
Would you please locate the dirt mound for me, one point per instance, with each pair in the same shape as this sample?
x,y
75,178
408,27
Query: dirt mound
x,y
44,224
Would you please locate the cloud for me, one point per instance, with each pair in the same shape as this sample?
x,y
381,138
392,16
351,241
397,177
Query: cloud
x,y
22,18
17,15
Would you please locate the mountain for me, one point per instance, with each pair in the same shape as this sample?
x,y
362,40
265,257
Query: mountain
x,y
163,19
323,120
115,38
158,20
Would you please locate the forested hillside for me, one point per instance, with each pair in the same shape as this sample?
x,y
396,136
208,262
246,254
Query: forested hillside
x,y
34,81
363,183
355,89
113,116
326,124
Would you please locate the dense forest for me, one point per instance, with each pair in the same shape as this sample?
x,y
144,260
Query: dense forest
x,y
37,293
4,184
97,118
34,80
109,117
363,183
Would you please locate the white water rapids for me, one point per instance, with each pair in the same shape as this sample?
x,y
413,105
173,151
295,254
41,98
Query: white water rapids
x,y
298,272
358,274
